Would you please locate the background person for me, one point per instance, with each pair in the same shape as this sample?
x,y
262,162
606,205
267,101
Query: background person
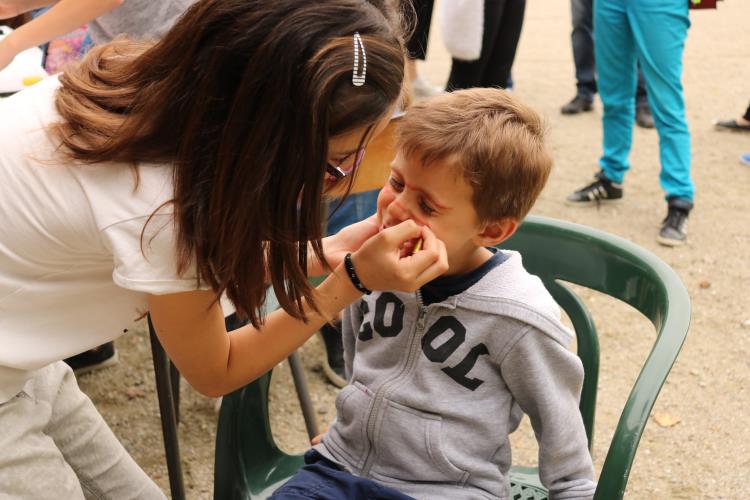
x,y
503,20
653,33
106,19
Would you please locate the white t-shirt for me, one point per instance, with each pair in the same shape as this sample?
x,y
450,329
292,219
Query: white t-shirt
x,y
72,272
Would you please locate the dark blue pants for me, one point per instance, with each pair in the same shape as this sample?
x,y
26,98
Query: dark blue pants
x,y
322,479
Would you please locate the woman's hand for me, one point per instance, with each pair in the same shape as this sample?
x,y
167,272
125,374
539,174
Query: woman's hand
x,y
381,265
317,439
348,240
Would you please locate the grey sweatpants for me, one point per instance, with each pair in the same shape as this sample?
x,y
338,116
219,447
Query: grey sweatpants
x,y
54,444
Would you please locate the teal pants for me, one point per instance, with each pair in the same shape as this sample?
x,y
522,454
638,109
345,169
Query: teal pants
x,y
653,32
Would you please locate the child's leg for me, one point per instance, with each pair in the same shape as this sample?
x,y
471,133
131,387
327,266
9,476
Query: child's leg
x,y
31,465
61,443
321,478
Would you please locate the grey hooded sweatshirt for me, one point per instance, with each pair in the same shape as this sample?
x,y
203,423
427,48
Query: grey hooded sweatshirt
x,y
434,391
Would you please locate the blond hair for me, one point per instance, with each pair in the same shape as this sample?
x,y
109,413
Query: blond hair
x,y
495,142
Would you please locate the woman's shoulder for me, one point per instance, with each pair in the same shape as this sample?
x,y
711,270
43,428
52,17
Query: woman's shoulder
x,y
38,97
29,112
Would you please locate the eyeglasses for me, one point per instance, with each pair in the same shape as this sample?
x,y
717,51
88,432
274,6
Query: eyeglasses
x,y
338,173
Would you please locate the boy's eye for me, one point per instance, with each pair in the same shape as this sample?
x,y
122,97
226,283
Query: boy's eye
x,y
428,210
396,185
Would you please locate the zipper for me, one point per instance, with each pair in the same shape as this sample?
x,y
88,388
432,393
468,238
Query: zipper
x,y
377,399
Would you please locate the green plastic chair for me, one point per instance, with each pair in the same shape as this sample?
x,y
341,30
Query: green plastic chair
x,y
249,465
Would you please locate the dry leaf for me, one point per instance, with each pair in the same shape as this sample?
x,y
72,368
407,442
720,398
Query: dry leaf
x,y
133,392
666,420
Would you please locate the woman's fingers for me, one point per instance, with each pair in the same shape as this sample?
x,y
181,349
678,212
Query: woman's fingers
x,y
381,263
319,437
430,261
395,236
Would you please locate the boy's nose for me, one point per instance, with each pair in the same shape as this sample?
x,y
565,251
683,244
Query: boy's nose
x,y
398,212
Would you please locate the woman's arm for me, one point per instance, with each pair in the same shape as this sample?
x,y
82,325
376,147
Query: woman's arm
x,y
191,328
64,17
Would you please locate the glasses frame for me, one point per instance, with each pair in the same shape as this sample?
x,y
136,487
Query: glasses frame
x,y
338,173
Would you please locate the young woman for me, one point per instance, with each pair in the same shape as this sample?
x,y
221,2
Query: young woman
x,y
158,177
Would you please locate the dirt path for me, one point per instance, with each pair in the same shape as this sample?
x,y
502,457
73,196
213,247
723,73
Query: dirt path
x,y
706,454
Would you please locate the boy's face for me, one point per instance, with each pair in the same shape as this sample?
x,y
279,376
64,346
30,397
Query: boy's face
x,y
440,198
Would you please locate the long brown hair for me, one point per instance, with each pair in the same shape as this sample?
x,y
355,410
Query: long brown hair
x,y
241,96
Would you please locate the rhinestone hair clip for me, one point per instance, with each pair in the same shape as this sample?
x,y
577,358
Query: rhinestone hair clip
x,y
359,74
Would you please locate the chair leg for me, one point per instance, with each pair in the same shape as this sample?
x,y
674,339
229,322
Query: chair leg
x,y
300,384
168,415
174,379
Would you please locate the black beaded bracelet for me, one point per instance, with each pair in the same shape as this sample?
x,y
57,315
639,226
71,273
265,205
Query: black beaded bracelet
x,y
349,265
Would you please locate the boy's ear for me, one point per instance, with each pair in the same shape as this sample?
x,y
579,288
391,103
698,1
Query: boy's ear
x,y
495,232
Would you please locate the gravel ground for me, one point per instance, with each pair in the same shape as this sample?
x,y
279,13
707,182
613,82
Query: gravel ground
x,y
697,442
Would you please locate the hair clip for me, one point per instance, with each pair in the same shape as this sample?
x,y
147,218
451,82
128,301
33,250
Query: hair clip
x,y
359,74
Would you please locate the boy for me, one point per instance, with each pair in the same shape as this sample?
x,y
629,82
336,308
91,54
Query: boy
x,y
440,378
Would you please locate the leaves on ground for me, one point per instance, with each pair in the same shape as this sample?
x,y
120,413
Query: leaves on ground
x,y
665,419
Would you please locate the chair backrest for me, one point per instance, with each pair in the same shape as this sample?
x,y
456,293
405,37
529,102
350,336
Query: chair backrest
x,y
559,251
250,465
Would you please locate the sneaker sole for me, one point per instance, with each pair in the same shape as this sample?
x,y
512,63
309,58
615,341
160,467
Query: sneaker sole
x,y
668,242
112,361
572,113
592,203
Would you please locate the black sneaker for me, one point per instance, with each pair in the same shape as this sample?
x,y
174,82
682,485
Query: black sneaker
x,y
674,227
643,117
602,190
579,104
333,364
95,359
